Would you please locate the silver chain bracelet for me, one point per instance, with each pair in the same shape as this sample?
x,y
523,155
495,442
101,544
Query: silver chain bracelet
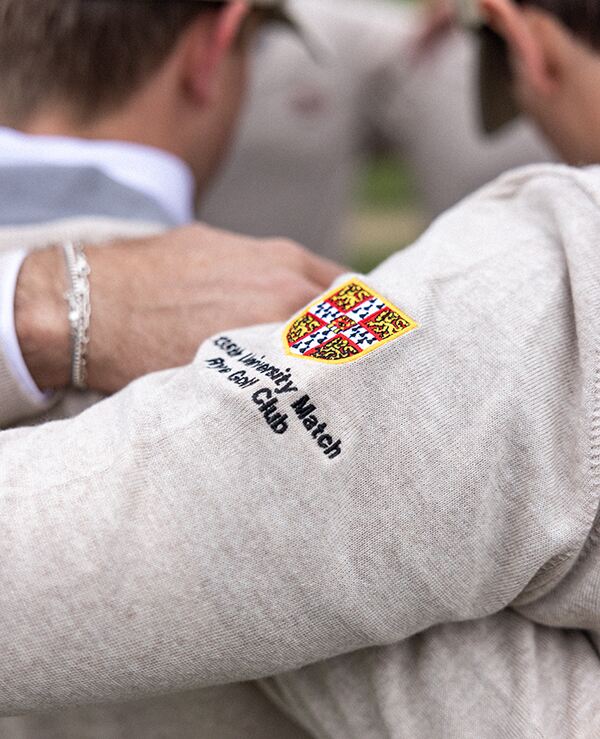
x,y
80,310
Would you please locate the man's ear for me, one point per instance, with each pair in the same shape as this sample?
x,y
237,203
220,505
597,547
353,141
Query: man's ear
x,y
528,50
207,43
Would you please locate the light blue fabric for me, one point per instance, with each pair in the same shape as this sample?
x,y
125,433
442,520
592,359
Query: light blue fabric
x,y
39,194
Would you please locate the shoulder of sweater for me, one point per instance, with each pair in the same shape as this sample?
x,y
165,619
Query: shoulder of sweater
x,y
558,177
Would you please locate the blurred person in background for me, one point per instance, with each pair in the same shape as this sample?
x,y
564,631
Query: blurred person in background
x,y
378,88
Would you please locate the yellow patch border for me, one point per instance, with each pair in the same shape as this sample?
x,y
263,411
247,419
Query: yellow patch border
x,y
325,296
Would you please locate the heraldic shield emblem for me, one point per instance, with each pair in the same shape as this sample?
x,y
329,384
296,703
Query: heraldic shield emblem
x,y
345,324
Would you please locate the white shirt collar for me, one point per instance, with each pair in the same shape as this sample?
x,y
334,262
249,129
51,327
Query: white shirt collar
x,y
153,172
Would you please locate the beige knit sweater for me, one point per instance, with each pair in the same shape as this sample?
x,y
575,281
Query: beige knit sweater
x,y
408,538
228,712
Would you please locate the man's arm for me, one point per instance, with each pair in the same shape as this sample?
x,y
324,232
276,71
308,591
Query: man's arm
x,y
153,302
257,511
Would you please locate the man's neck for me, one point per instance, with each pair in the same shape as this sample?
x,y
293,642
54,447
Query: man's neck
x,y
131,127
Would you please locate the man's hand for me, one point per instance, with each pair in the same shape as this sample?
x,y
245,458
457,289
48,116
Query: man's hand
x,y
439,20
155,300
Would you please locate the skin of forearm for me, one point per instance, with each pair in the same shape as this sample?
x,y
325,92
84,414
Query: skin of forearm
x,y
41,316
155,300
41,319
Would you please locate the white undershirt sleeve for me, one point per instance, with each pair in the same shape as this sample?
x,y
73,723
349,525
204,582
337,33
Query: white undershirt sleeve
x,y
9,343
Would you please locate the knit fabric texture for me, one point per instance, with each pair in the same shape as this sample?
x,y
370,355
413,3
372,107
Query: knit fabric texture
x,y
426,564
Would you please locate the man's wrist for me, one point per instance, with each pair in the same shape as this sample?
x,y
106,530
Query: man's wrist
x,y
41,319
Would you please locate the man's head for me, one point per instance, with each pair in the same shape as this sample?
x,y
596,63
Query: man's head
x,y
554,53
167,73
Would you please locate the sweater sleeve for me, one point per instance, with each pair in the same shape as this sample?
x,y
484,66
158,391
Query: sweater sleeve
x,y
305,491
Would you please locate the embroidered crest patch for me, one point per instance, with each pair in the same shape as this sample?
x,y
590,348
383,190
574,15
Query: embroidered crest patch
x,y
345,324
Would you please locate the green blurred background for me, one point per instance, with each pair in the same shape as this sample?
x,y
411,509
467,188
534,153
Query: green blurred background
x,y
387,214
